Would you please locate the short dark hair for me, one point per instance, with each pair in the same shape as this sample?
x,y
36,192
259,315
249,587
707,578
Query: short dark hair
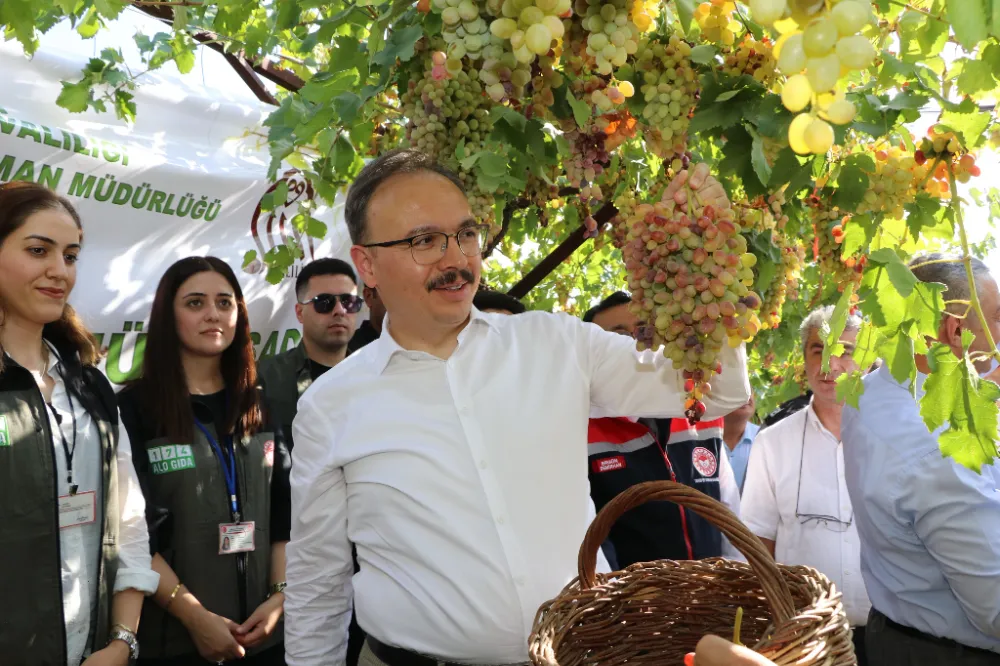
x,y
377,172
487,299
326,266
612,301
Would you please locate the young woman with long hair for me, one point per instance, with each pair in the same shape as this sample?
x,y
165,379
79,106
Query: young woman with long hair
x,y
74,550
214,475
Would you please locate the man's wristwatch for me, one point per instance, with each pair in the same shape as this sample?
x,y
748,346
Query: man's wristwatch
x,y
122,633
277,587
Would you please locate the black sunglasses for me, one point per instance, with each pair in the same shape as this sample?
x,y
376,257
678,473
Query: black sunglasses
x,y
325,303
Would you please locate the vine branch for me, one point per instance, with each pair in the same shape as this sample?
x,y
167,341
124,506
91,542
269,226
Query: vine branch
x,y
967,261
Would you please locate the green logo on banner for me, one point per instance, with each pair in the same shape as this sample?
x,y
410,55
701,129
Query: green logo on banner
x,y
171,458
4,432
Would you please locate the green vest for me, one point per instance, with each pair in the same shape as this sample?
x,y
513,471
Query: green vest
x,y
189,481
32,627
284,378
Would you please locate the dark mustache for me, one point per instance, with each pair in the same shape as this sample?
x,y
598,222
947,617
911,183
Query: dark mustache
x,y
449,277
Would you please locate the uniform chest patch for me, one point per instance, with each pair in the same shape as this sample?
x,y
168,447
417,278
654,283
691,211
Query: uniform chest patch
x,y
171,458
704,461
269,453
608,464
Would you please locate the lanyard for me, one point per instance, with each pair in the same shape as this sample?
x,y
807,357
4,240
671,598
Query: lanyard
x,y
228,467
70,452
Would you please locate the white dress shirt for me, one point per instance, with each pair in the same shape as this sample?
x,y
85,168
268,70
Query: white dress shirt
x,y
930,528
81,545
796,470
462,482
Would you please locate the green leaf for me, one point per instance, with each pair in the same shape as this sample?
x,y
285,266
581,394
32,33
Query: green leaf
x,y
75,97
907,99
856,236
399,45
852,185
279,195
125,105
969,125
685,12
976,77
109,8
757,157
581,110
343,155
249,257
899,274
492,165
920,213
955,396
832,345
315,228
703,54
970,20
90,24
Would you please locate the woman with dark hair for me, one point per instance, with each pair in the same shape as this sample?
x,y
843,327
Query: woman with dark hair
x,y
74,551
214,475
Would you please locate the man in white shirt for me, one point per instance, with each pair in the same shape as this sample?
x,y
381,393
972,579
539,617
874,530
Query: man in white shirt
x,y
795,498
452,451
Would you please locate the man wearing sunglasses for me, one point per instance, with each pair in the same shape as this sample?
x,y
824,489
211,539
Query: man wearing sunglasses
x,y
327,304
795,498
453,450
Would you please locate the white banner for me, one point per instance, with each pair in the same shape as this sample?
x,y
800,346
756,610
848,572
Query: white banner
x,y
186,179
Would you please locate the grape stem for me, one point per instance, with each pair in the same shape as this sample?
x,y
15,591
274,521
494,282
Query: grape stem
x,y
967,260
916,9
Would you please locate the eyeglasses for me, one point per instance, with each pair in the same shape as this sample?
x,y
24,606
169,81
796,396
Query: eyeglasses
x,y
428,248
832,523
325,303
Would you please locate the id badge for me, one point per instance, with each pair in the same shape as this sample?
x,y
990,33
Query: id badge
x,y
79,509
236,538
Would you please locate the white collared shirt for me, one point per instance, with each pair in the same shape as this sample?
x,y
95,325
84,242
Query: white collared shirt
x,y
81,545
778,502
462,482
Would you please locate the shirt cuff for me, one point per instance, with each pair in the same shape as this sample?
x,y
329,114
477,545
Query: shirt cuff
x,y
143,580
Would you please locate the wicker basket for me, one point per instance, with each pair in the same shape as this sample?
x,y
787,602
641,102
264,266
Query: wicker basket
x,y
655,612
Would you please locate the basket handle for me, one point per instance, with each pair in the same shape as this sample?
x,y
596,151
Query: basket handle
x,y
776,590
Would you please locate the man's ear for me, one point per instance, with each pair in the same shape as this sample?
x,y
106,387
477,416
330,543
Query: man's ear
x,y
298,312
951,331
361,256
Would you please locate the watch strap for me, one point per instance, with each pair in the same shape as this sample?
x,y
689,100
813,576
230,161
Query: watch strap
x,y
122,633
278,587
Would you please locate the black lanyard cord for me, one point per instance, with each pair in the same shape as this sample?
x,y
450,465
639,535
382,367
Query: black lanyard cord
x,y
70,452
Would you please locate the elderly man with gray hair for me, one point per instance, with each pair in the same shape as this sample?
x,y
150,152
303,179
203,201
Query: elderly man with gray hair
x,y
930,528
795,498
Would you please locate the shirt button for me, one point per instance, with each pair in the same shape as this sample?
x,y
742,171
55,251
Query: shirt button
x,y
483,464
499,520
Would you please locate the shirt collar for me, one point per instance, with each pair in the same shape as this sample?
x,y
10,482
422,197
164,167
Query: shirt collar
x,y
749,432
386,346
812,418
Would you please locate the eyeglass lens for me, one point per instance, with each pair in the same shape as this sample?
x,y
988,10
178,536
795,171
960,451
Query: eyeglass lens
x,y
325,303
430,247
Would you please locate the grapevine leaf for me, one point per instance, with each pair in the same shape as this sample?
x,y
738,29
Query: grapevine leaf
x,y
581,110
970,21
907,99
969,125
934,35
90,25
343,155
685,12
785,169
832,345
346,106
757,157
920,213
249,257
976,77
900,275
897,351
766,270
280,194
399,45
857,234
560,107
852,185
75,97
955,396
492,165
703,54
125,107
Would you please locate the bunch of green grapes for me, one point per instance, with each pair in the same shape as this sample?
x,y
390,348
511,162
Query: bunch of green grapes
x,y
643,13
611,36
530,26
752,58
715,18
503,75
690,277
669,86
786,282
464,31
824,47
892,185
828,229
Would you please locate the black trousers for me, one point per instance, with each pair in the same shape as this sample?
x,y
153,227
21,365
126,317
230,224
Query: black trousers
x,y
859,646
890,644
274,656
